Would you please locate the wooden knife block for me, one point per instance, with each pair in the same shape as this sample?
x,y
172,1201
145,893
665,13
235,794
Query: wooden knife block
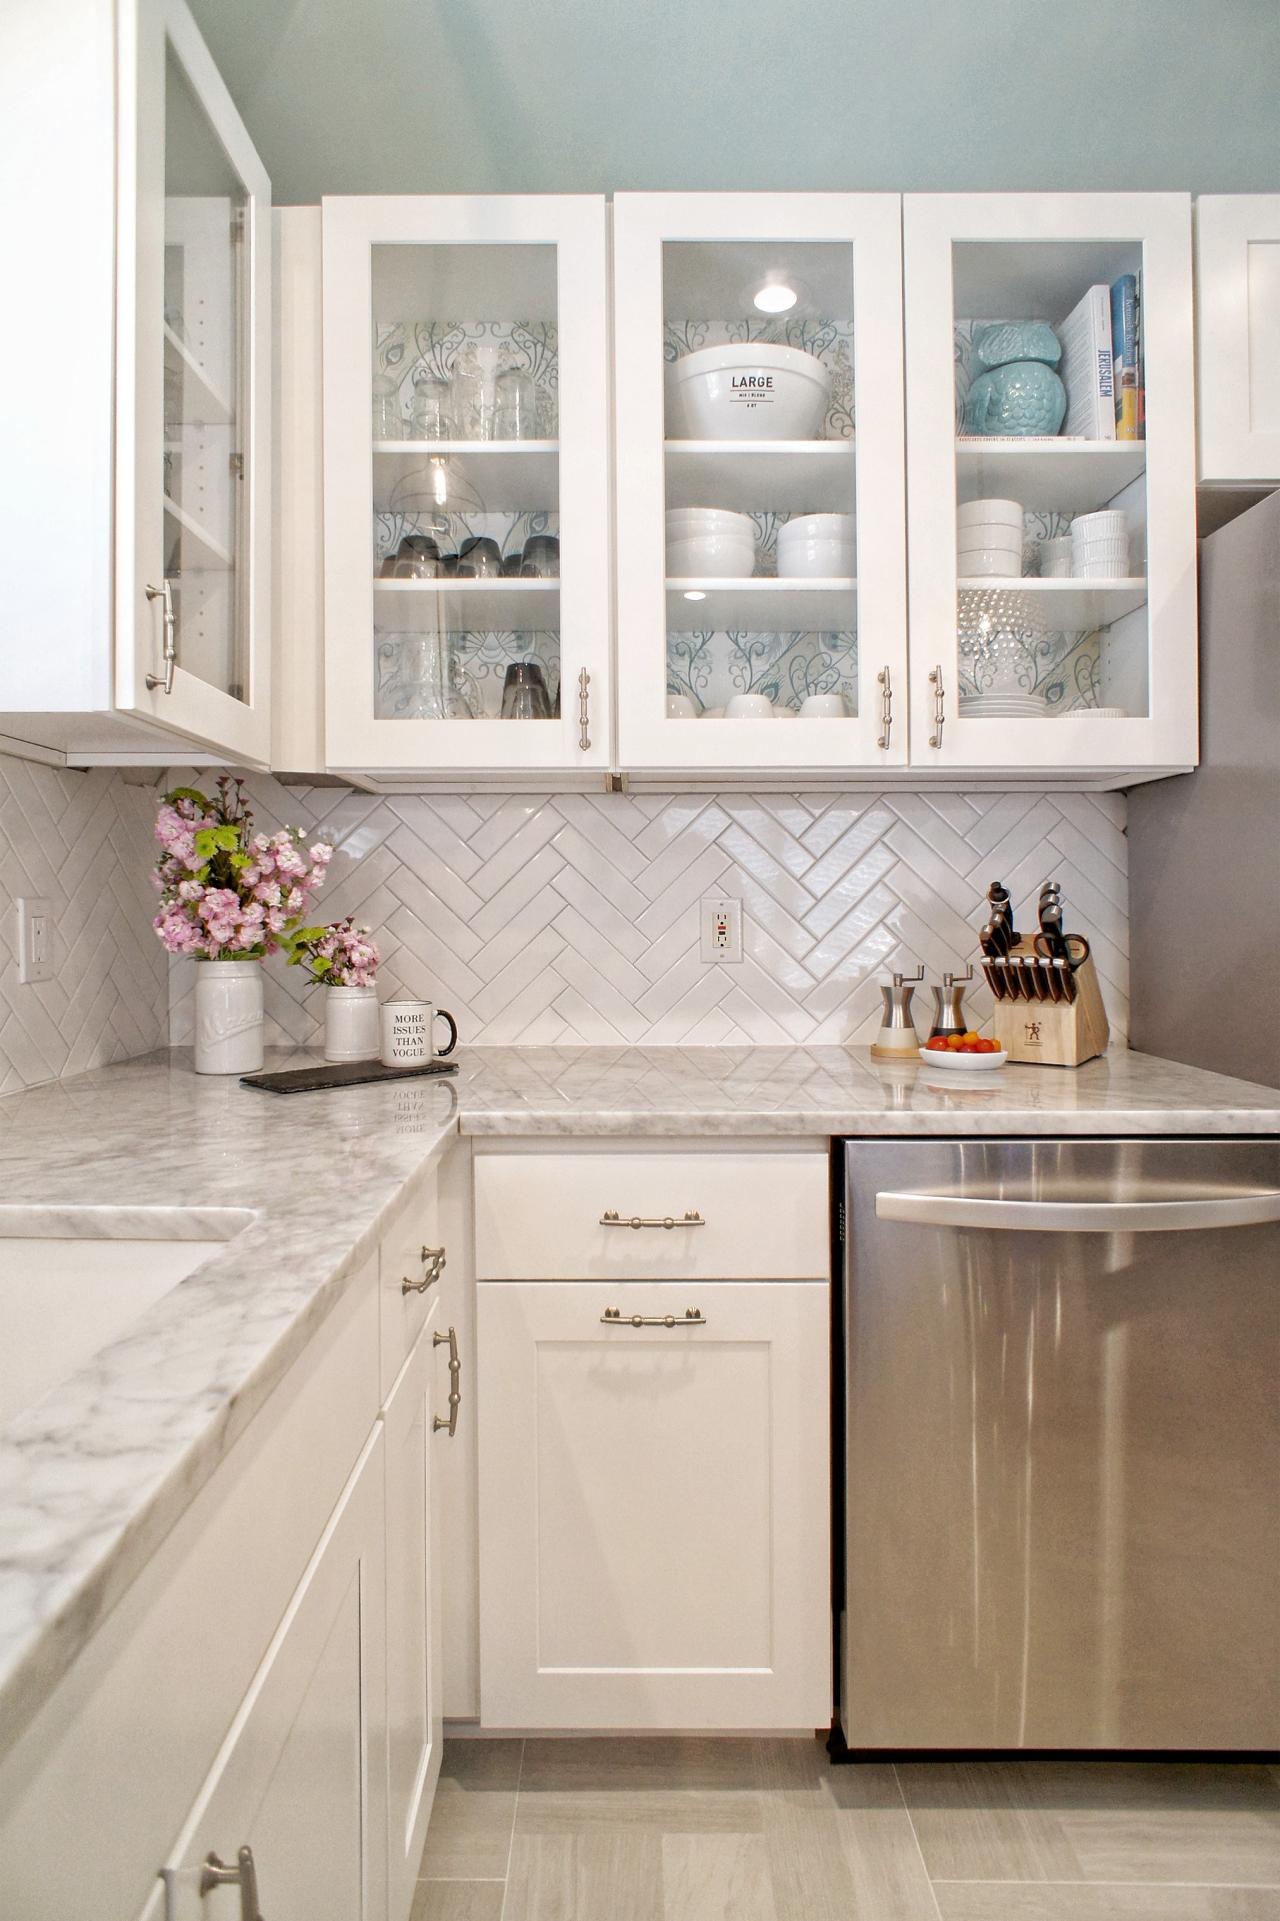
x,y
1055,1033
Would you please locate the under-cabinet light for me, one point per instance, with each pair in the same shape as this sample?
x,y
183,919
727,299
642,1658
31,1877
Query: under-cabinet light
x,y
776,297
694,593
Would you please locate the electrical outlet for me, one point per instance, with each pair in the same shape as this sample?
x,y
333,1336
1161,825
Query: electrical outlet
x,y
720,927
35,940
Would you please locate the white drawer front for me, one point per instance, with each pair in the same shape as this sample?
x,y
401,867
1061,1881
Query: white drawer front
x,y
410,1256
763,1215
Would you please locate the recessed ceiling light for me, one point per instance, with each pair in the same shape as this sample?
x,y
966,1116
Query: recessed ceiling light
x,y
775,297
695,593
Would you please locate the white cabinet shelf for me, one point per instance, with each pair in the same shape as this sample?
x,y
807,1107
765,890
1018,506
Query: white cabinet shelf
x,y
767,476
1069,606
1073,476
198,551
466,606
762,606
200,400
491,476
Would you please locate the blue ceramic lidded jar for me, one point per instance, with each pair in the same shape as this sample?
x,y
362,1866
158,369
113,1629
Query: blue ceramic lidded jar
x,y
1024,397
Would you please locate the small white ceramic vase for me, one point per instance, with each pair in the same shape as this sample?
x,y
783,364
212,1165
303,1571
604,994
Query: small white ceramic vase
x,y
351,1024
228,1017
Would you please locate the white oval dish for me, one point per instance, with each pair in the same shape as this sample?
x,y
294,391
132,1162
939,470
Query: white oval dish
x,y
981,1061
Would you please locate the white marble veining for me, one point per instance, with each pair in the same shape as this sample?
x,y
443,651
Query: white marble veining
x,y
94,1475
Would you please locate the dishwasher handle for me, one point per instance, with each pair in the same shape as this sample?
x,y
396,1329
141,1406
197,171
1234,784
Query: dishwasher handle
x,y
1080,1217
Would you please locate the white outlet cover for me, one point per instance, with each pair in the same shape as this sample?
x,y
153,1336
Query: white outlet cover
x,y
720,930
35,940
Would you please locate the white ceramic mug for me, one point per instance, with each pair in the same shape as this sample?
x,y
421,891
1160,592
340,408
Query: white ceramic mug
x,y
823,707
407,1033
680,707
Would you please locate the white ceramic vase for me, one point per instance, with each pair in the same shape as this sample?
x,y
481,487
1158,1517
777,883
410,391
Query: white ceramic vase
x,y
351,1024
228,1017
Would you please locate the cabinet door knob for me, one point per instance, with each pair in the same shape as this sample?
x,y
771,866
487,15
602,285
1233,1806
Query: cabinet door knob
x,y
455,1381
433,1266
244,1875
164,592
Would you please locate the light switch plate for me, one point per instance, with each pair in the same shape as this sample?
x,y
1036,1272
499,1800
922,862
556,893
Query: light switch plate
x,y
720,929
35,940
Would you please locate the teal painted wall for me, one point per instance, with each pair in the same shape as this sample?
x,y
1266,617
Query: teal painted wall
x,y
453,96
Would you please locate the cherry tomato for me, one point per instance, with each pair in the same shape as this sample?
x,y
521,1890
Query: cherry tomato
x,y
938,1045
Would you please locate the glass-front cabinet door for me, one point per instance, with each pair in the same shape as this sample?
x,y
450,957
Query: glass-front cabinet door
x,y
760,535
1051,476
193,453
467,568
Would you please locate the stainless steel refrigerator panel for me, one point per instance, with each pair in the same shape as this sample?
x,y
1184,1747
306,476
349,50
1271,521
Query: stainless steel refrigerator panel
x,y
1063,1474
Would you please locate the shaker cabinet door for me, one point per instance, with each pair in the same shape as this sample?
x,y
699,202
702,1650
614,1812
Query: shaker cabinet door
x,y
1238,337
654,1514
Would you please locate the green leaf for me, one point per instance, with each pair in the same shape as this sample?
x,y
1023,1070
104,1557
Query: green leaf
x,y
202,801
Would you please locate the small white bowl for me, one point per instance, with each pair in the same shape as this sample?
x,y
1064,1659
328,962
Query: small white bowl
x,y
949,1058
683,522
824,707
803,527
680,707
709,556
816,560
751,391
990,533
993,562
749,707
1107,524
1007,513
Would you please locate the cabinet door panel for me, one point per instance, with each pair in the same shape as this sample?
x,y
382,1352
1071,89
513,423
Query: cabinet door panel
x,y
299,1776
193,474
1238,336
654,1505
413,1616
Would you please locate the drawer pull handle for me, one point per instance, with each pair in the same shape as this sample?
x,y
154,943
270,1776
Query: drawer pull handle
x,y
433,1266
611,1218
455,1381
244,1875
614,1317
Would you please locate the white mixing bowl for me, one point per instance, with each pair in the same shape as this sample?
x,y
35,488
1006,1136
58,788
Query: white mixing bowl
x,y
711,555
816,560
751,392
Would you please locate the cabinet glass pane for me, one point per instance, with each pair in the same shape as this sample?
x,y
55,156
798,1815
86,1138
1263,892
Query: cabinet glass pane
x,y
465,543
1051,599
760,482
205,326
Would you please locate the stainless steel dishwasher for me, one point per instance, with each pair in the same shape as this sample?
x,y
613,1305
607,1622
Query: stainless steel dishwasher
x,y
1062,1462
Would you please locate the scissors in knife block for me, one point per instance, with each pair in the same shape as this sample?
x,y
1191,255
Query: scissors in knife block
x,y
1054,945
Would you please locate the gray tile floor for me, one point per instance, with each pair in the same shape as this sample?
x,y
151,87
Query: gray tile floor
x,y
692,1829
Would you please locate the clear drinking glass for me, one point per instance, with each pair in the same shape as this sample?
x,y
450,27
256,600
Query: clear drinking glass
x,y
387,421
541,557
429,416
524,692
471,404
418,558
515,406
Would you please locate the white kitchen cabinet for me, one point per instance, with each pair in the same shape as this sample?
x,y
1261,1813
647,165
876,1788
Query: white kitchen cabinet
x,y
687,270
654,1505
1238,337
299,1780
135,532
477,328
1036,675
414,1599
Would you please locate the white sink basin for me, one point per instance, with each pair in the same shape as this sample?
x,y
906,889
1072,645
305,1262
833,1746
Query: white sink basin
x,y
71,1281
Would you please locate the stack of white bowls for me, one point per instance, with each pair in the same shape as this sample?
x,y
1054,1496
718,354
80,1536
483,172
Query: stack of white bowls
x,y
816,546
989,539
1100,546
710,543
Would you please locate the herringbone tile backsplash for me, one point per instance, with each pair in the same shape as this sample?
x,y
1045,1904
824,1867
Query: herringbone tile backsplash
x,y
573,918
81,841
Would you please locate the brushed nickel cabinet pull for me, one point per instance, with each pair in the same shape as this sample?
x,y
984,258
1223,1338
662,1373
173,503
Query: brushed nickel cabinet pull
x,y
164,592
584,736
886,707
939,706
450,1340
614,1317
433,1266
611,1218
244,1875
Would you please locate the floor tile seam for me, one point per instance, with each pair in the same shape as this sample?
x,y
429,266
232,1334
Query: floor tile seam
x,y
511,1839
1208,1887
911,1823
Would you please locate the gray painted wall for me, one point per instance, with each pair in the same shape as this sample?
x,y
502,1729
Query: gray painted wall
x,y
1204,850
465,96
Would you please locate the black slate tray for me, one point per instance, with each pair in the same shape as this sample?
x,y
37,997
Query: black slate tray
x,y
308,1080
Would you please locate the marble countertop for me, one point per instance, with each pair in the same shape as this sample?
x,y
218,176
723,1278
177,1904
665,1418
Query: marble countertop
x,y
94,1475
